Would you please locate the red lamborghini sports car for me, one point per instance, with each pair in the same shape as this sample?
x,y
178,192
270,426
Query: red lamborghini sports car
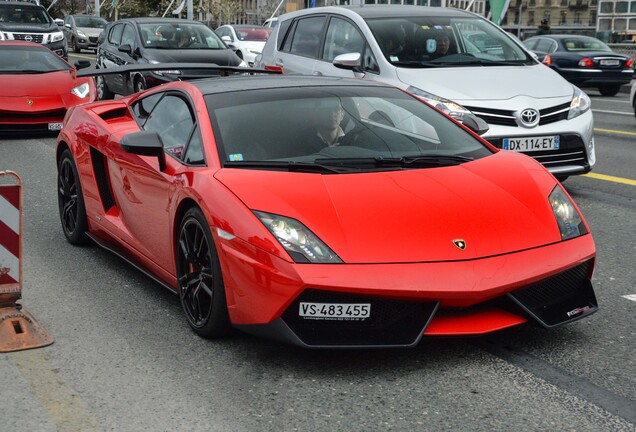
x,y
407,224
37,87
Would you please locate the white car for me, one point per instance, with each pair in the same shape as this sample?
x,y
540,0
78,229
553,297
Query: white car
x,y
247,41
432,53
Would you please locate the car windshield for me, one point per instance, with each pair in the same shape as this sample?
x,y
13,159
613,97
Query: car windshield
x,y
430,41
584,44
90,22
179,36
24,15
252,34
29,60
335,129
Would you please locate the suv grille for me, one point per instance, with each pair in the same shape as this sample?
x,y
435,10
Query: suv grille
x,y
507,117
32,37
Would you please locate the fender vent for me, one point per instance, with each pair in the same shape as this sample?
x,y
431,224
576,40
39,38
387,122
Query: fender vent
x,y
101,176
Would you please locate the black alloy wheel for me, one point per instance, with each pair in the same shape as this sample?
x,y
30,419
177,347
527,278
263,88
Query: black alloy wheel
x,y
201,288
609,90
140,85
76,48
71,201
103,92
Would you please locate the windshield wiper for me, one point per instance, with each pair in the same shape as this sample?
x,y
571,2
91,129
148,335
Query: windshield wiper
x,y
401,162
291,166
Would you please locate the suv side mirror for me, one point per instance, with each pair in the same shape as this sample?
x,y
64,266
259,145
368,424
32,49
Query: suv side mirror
x,y
125,48
82,64
227,39
59,22
349,61
475,124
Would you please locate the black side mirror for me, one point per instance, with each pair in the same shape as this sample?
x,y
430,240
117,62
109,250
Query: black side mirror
x,y
475,124
82,64
145,143
125,48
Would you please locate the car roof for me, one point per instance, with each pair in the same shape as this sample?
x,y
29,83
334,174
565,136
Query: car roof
x,y
241,83
158,20
386,11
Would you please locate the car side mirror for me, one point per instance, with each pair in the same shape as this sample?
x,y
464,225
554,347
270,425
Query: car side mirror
x,y
68,26
475,124
125,48
59,22
145,143
348,61
82,64
227,39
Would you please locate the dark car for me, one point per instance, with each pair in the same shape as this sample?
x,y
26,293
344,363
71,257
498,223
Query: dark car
x,y
584,61
156,41
31,22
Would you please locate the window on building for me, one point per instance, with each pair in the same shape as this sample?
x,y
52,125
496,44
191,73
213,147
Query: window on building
x,y
531,18
620,24
632,24
564,3
607,7
632,7
577,17
563,17
604,24
532,3
622,7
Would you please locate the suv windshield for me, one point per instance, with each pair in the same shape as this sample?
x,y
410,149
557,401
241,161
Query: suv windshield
x,y
23,14
429,41
90,22
336,129
179,36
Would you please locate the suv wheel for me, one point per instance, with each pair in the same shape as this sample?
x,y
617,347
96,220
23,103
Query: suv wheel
x,y
76,48
103,92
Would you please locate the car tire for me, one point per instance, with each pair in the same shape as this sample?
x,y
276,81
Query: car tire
x,y
200,283
103,92
240,54
561,179
609,90
76,48
71,201
140,85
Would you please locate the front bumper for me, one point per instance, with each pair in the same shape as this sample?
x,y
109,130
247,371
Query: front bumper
x,y
548,285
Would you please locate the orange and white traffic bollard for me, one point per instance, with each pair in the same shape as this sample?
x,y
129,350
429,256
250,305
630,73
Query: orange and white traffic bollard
x,y
19,330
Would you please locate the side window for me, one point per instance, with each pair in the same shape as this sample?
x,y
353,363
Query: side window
x,y
194,153
546,46
530,44
307,36
172,119
282,32
369,62
143,107
288,40
342,37
128,36
115,34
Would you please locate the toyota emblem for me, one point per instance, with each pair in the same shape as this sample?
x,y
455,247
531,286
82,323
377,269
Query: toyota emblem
x,y
28,38
529,117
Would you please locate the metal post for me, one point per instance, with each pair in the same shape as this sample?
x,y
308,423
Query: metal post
x,y
97,5
190,9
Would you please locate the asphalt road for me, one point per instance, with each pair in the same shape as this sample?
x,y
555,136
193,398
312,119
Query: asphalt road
x,y
124,358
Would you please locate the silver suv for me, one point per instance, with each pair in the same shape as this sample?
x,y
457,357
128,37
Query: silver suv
x,y
82,31
455,60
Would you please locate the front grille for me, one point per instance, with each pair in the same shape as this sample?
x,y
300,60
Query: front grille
x,y
571,152
32,37
56,115
391,322
507,118
93,39
561,298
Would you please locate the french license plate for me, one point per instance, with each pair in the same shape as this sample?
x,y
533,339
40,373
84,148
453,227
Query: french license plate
x,y
55,126
531,143
610,62
335,311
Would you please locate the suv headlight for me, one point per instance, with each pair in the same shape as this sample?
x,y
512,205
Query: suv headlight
x,y
300,243
81,34
449,107
568,218
580,103
57,36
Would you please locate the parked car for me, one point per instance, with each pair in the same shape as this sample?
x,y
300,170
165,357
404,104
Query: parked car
x,y
584,61
204,187
529,108
38,87
153,41
31,22
271,22
247,41
82,31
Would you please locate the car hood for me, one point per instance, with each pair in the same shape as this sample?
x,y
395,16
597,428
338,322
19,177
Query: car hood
x,y
30,28
488,82
497,205
221,57
45,91
90,31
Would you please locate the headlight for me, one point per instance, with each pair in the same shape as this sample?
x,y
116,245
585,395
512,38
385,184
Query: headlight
x,y
81,34
580,103
57,36
81,90
301,244
449,107
169,72
243,64
568,218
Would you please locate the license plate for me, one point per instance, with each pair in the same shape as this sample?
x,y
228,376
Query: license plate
x,y
612,62
531,143
55,126
335,311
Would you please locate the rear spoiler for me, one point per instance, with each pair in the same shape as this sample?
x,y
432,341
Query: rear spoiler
x,y
211,67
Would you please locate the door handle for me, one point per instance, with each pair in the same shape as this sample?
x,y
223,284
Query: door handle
x,y
279,62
